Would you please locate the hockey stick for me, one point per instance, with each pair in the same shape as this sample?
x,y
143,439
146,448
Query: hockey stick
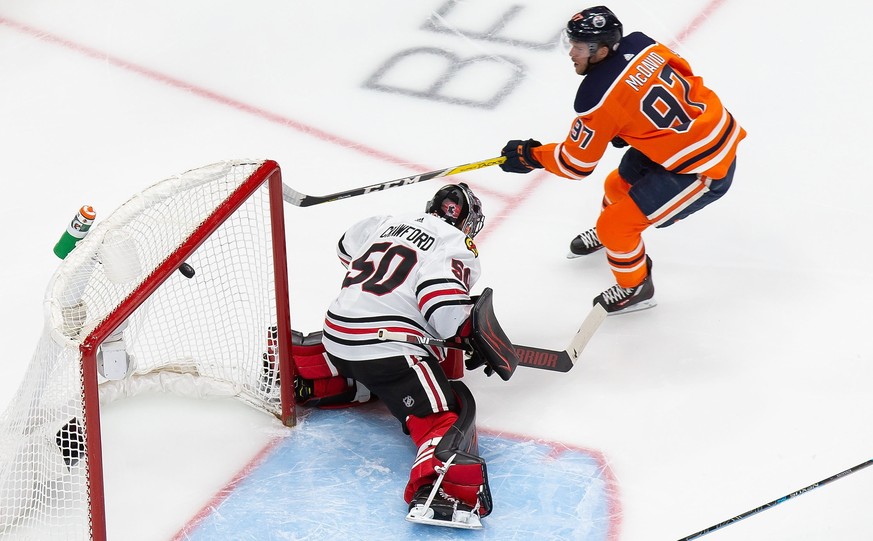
x,y
532,357
298,199
787,497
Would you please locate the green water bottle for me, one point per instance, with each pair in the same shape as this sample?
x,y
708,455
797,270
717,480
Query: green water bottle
x,y
76,231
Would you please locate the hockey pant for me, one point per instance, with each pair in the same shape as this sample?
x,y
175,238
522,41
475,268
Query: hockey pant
x,y
642,193
449,435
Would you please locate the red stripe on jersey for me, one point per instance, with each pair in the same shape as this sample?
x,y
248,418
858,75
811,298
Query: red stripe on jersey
x,y
349,330
425,299
371,330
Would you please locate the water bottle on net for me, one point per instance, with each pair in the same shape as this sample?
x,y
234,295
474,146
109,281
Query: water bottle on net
x,y
76,231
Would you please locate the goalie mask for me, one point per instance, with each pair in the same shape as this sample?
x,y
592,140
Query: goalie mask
x,y
457,205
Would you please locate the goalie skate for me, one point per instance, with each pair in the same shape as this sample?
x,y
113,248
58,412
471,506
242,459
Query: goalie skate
x,y
440,509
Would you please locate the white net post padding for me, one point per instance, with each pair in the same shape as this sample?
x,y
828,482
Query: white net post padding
x,y
196,336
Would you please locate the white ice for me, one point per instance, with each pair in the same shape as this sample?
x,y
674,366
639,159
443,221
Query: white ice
x,y
751,379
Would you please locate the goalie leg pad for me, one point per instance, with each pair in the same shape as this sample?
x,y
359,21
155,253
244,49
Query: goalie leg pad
x,y
311,362
426,432
318,382
466,478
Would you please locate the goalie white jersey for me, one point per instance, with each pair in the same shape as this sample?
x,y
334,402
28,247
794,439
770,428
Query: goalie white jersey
x,y
409,273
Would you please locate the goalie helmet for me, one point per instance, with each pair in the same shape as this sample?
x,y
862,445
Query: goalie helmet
x,y
597,25
457,205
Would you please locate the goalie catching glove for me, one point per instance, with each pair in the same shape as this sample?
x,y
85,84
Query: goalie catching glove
x,y
490,346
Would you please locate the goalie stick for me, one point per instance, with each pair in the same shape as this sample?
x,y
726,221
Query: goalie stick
x,y
532,357
774,503
298,199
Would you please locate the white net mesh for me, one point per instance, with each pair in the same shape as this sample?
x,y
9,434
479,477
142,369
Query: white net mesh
x,y
211,328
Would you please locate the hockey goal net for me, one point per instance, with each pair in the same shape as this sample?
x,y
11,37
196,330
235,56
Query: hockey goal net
x,y
121,316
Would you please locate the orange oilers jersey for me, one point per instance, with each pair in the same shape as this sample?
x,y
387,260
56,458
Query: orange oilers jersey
x,y
647,95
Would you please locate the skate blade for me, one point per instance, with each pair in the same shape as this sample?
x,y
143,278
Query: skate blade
x,y
651,303
460,519
571,255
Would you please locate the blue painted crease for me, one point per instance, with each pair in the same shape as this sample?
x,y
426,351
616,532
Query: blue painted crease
x,y
341,474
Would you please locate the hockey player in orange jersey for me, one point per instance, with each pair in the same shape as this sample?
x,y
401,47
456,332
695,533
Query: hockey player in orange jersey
x,y
682,142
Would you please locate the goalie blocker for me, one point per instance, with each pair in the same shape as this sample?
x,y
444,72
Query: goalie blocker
x,y
490,345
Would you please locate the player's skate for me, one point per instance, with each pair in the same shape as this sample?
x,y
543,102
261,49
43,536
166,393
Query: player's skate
x,y
621,300
584,244
436,508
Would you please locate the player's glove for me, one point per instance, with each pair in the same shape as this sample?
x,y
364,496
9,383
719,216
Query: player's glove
x,y
519,158
618,142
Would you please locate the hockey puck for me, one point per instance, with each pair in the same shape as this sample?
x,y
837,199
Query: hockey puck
x,y
186,270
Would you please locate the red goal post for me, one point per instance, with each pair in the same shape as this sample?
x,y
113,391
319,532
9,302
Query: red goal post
x,y
120,319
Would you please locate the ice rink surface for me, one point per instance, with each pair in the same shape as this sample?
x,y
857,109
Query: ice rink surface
x,y
750,380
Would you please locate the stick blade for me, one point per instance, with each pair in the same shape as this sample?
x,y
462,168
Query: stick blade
x,y
589,326
563,361
292,196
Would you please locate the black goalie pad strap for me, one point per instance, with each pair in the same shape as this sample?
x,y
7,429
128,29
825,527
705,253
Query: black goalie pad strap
x,y
489,340
461,441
